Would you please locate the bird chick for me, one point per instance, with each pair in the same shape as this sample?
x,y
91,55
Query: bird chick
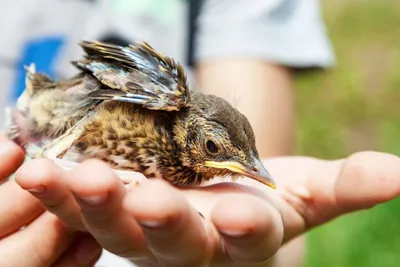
x,y
132,108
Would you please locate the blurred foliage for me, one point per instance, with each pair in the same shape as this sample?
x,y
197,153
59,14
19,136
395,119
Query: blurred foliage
x,y
351,107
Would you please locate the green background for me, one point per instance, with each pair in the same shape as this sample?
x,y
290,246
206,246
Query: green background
x,y
355,106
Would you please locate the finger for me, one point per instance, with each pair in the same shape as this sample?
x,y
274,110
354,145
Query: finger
x,y
17,208
174,231
99,193
358,182
83,252
46,181
11,156
40,243
251,230
375,177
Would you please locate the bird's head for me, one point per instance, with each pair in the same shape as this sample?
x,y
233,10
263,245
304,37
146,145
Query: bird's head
x,y
217,140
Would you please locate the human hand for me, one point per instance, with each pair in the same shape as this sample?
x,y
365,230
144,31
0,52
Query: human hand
x,y
154,224
45,240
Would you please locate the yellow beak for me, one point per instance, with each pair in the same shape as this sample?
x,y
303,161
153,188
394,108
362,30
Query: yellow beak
x,y
259,173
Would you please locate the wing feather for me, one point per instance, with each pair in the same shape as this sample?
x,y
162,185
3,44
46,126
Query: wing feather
x,y
137,74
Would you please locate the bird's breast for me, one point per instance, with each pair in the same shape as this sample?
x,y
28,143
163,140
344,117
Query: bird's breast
x,y
127,138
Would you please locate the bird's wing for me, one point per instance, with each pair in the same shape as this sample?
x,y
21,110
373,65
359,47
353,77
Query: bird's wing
x,y
135,74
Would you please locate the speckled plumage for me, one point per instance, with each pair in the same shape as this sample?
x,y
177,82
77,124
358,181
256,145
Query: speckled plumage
x,y
131,107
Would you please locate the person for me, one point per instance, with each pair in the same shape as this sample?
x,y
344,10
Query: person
x,y
242,222
241,52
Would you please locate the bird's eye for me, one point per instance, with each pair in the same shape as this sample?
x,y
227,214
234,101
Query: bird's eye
x,y
211,147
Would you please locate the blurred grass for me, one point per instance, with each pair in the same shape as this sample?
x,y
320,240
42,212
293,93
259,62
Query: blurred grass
x,y
355,106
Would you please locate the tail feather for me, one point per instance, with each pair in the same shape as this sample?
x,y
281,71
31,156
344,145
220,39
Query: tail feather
x,y
30,74
16,117
11,126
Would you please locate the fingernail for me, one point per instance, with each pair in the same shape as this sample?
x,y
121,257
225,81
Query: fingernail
x,y
87,251
233,233
152,224
93,200
37,190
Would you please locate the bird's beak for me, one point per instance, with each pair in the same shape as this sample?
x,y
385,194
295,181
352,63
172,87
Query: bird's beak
x,y
258,173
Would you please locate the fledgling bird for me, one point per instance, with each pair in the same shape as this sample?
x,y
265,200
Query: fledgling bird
x,y
132,108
